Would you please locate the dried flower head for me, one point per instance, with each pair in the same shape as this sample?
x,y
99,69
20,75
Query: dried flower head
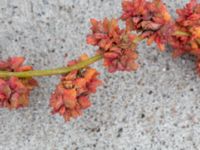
x,y
150,18
72,93
187,37
116,45
14,92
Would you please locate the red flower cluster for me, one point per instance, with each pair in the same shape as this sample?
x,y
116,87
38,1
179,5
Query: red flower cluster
x,y
187,37
14,92
116,45
150,18
72,93
118,48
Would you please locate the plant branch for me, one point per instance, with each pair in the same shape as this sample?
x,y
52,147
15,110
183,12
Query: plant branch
x,y
181,33
138,39
37,73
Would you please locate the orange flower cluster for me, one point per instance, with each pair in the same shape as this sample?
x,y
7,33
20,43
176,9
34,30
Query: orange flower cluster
x,y
72,93
116,45
150,18
187,37
14,92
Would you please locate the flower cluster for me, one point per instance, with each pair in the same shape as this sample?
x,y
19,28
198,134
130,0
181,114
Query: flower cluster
x,y
187,36
14,92
150,18
72,93
187,30
117,46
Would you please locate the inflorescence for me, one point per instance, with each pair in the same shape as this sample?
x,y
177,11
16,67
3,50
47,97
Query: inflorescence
x,y
144,20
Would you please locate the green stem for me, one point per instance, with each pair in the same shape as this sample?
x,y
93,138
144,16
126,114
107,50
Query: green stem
x,y
51,72
138,39
181,33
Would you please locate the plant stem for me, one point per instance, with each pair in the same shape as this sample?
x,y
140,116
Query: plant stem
x,y
138,39
51,72
181,33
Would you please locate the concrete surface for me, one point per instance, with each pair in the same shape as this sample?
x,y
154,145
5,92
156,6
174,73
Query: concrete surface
x,y
156,108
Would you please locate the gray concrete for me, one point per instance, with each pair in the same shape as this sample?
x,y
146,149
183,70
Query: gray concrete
x,y
156,108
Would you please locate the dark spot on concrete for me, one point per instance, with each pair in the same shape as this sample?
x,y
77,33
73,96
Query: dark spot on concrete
x,y
150,92
119,132
96,129
155,59
60,7
65,55
142,115
52,51
191,89
167,67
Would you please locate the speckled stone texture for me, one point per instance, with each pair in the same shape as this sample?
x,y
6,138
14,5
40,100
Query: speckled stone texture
x,y
156,108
